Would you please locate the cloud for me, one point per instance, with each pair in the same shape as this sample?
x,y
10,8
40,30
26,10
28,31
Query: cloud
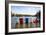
x,y
25,10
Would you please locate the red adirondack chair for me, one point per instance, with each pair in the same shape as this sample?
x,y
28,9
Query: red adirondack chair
x,y
21,20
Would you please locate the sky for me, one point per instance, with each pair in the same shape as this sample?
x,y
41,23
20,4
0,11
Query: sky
x,y
25,10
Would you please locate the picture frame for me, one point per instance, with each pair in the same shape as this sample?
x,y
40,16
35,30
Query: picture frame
x,y
26,5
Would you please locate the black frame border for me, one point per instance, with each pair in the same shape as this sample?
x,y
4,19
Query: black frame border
x,y
6,16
